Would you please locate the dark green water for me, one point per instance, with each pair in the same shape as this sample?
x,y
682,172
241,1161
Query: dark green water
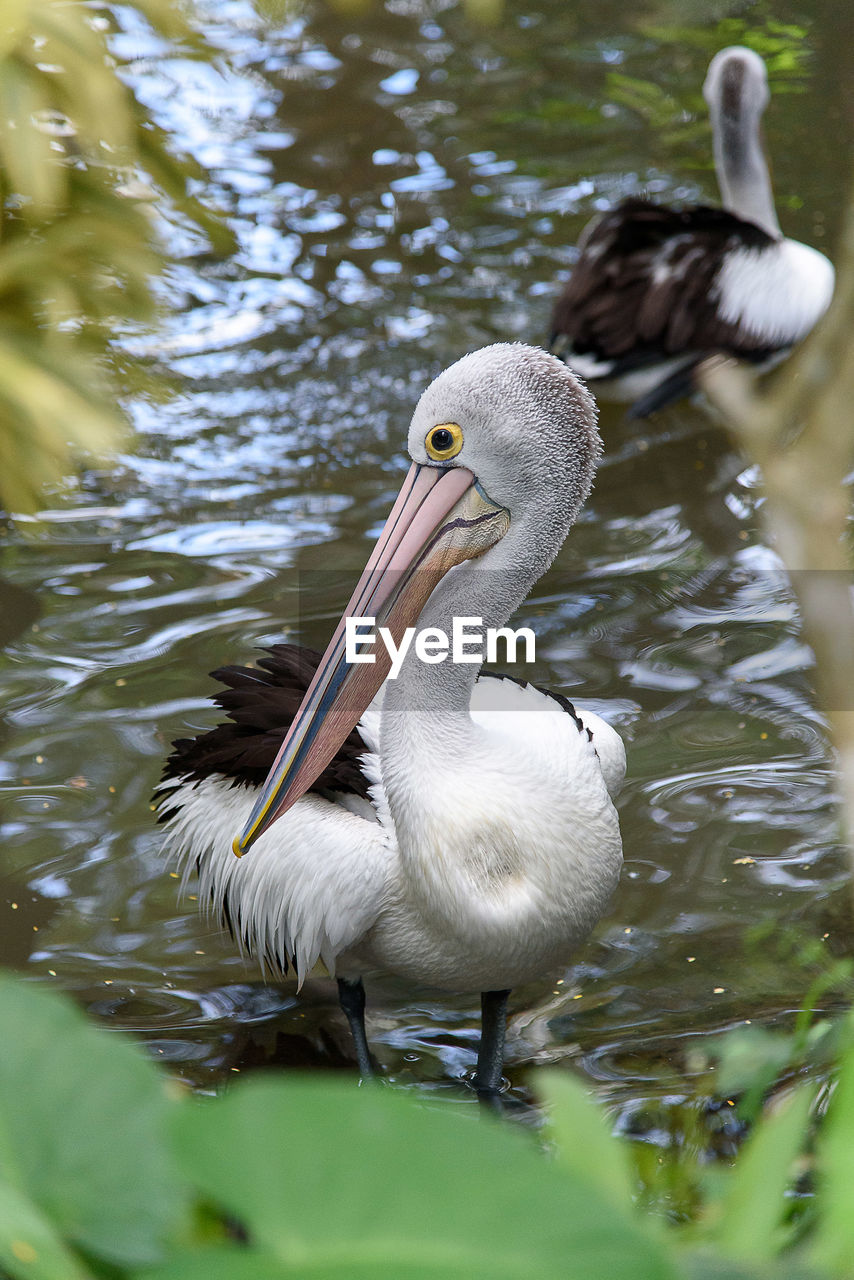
x,y
406,186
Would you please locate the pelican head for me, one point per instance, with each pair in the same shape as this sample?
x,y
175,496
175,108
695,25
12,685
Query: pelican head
x,y
504,446
737,83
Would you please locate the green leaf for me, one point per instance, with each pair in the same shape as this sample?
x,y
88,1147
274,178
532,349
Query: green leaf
x,y
365,1182
232,1263
751,1059
96,100
835,1156
705,1266
34,171
13,25
29,1246
751,1055
583,1139
749,1225
82,1128
43,411
228,1262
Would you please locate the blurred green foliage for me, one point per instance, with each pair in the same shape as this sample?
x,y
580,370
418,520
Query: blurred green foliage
x,y
678,112
109,1169
485,13
652,80
80,168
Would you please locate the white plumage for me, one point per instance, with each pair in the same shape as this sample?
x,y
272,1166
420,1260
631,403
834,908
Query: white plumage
x,y
505,873
777,294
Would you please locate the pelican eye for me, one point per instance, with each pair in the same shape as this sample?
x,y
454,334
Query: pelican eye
x,y
444,441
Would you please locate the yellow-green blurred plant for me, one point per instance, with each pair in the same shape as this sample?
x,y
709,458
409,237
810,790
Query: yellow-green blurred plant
x,y
80,168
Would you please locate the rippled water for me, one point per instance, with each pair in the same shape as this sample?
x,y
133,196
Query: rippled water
x,y
405,187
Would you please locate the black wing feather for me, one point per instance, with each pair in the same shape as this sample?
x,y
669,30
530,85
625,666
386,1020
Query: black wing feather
x,y
260,703
620,306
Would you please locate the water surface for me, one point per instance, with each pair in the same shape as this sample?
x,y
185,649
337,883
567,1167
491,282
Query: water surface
x,y
405,187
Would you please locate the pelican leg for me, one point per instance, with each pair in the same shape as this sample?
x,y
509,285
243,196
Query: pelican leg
x,y
351,997
490,1057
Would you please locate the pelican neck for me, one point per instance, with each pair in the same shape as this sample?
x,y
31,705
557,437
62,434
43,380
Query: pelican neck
x,y
742,171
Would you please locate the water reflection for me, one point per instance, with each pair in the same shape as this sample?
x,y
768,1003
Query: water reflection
x,y
403,190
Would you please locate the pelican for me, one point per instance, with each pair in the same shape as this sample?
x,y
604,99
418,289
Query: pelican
x,y
656,290
451,827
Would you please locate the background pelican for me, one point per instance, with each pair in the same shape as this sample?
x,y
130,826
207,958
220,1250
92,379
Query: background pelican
x,y
453,828
656,290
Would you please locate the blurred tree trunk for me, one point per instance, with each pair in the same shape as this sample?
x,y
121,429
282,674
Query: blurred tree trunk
x,y
800,432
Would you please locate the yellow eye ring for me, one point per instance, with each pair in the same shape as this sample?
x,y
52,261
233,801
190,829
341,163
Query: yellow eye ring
x,y
444,441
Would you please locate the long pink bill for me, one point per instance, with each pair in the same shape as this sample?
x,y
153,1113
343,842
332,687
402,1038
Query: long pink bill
x,y
440,518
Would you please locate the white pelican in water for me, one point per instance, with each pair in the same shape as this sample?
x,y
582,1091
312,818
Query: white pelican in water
x,y
657,290
448,826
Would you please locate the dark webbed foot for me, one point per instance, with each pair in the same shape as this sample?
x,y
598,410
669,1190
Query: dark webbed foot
x,y
490,1058
351,996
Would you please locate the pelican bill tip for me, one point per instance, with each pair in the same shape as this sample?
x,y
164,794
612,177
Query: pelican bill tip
x,y
238,848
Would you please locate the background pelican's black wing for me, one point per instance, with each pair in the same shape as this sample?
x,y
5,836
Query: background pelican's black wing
x,y
642,289
260,703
